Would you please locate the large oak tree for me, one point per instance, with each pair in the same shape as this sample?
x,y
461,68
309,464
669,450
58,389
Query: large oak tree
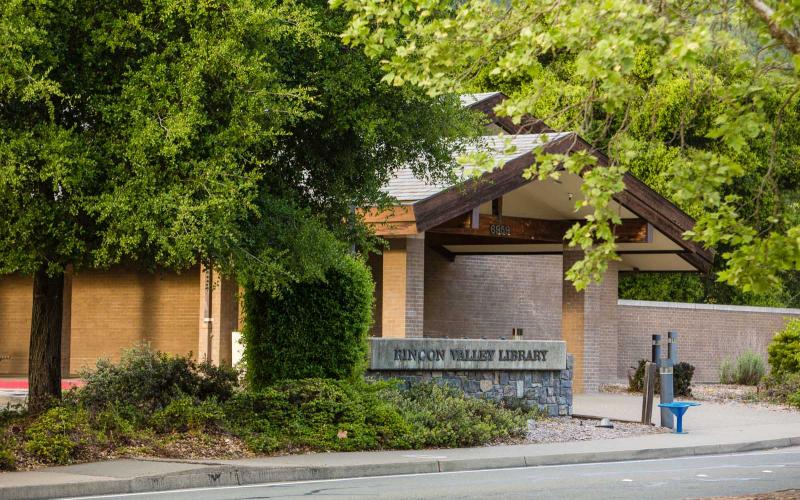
x,y
160,133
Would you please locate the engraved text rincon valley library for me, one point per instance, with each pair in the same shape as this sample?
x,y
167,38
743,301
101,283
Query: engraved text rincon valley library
x,y
467,354
470,354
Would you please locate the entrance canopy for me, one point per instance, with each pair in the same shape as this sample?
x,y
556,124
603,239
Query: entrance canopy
x,y
501,212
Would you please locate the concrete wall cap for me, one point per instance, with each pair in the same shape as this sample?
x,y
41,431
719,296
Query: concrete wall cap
x,y
709,307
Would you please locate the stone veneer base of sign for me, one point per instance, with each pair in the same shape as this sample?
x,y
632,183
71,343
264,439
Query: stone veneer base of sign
x,y
548,390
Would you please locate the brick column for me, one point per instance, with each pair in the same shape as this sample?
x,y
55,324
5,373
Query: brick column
x,y
219,316
589,326
403,284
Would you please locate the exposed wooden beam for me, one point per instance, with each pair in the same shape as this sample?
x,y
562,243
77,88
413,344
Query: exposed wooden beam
x,y
395,221
528,124
527,230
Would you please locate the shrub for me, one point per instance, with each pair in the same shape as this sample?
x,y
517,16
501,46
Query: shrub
x,y
682,374
444,417
148,380
784,350
749,369
727,372
114,424
316,329
317,414
779,387
57,435
183,415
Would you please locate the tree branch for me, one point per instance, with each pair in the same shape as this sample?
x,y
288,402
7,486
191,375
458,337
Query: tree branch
x,y
765,12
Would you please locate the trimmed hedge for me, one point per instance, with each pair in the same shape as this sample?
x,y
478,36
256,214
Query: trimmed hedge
x,y
311,330
784,350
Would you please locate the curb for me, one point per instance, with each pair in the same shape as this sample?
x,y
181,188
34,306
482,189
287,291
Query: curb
x,y
229,475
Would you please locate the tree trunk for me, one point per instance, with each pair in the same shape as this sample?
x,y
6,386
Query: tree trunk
x,y
44,358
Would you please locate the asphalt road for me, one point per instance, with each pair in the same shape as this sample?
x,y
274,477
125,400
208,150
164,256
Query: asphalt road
x,y
689,477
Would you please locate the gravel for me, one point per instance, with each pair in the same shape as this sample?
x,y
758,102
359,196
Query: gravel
x,y
558,430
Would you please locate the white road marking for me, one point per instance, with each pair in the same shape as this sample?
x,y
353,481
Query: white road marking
x,y
767,471
388,476
627,480
702,475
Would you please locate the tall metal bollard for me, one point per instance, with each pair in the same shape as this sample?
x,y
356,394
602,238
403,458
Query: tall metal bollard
x,y
665,369
656,354
672,346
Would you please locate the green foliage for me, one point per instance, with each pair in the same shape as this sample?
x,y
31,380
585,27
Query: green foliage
x,y
666,287
149,380
780,387
442,417
116,425
8,460
313,329
784,350
708,96
318,414
727,372
682,374
748,369
162,133
337,415
57,435
184,414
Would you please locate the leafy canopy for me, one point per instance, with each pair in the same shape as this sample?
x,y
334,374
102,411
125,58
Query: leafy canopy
x,y
160,132
717,80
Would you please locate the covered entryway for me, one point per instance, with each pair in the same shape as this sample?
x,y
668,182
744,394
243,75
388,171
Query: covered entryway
x,y
480,258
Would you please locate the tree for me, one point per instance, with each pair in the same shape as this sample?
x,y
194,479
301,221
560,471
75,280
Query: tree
x,y
739,59
162,133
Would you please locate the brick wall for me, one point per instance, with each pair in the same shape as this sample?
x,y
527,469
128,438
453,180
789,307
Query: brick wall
x,y
601,342
113,310
707,333
110,311
486,296
16,295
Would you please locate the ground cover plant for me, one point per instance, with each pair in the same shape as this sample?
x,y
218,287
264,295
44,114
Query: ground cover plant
x,y
153,404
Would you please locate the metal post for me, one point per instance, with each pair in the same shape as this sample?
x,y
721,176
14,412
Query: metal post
x,y
656,355
672,346
648,390
666,391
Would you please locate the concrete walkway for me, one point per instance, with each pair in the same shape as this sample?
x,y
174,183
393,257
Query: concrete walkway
x,y
713,428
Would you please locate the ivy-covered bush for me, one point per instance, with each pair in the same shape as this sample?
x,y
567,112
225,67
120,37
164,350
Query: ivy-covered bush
x,y
682,374
312,329
784,350
149,380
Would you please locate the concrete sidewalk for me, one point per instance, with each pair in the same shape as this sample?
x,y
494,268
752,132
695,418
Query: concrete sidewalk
x,y
713,428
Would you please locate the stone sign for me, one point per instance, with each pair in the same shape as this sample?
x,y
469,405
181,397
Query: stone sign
x,y
454,354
